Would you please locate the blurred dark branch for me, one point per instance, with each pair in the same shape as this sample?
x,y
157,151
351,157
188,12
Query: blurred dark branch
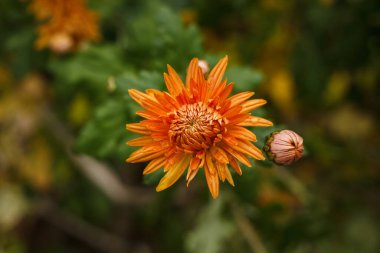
x,y
247,229
98,172
79,229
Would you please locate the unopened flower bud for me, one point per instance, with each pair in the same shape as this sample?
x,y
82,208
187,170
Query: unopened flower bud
x,y
284,147
204,66
61,43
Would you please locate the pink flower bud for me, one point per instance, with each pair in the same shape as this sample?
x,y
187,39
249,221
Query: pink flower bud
x,y
284,147
204,66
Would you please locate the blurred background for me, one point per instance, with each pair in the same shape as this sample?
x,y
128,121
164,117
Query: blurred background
x,y
66,66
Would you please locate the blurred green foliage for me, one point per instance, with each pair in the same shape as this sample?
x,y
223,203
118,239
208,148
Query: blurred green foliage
x,y
316,62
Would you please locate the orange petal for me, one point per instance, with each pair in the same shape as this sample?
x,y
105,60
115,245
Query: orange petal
x,y
256,121
209,163
172,160
137,128
226,92
139,96
171,85
147,114
149,152
219,155
212,181
155,125
184,97
252,104
230,140
158,136
239,118
171,100
235,165
238,155
142,141
221,171
151,92
225,106
175,78
217,72
163,102
174,173
154,107
190,175
195,162
154,165
141,156
192,72
232,112
157,146
201,155
228,176
215,92
250,149
195,90
241,133
240,98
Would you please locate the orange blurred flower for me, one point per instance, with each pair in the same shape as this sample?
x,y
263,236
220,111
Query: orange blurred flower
x,y
196,125
67,24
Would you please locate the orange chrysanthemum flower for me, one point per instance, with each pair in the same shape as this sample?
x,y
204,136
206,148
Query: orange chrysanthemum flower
x,y
67,24
196,125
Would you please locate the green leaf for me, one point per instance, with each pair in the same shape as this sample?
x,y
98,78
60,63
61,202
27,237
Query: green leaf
x,y
245,78
154,36
104,135
211,231
88,69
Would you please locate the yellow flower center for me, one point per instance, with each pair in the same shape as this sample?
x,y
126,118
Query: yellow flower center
x,y
195,127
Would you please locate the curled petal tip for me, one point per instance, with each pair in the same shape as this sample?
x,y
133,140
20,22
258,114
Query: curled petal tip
x,y
130,160
131,91
169,68
161,187
265,122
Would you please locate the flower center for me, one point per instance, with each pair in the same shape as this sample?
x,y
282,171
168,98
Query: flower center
x,y
195,127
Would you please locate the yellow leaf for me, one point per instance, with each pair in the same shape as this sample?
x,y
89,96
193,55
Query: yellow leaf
x,y
79,110
13,206
36,165
327,2
281,91
350,124
188,16
4,77
337,87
